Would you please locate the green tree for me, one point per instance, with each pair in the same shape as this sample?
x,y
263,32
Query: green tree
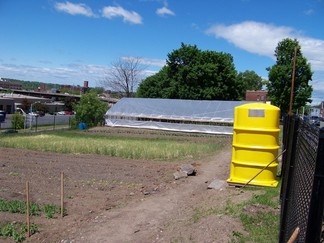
x,y
90,109
156,86
25,105
17,121
68,103
98,90
193,74
40,107
280,77
249,80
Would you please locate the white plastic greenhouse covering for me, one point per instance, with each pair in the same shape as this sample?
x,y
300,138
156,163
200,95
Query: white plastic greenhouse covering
x,y
200,116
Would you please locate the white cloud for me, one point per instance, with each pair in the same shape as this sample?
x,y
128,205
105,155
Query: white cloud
x,y
74,73
262,39
309,11
164,11
112,12
154,62
74,9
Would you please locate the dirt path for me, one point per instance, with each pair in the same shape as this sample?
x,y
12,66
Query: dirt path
x,y
167,217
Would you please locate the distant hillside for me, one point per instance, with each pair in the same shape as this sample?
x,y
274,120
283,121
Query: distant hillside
x,y
31,85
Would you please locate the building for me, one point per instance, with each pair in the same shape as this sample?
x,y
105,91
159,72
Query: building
x,y
256,95
10,85
9,102
322,109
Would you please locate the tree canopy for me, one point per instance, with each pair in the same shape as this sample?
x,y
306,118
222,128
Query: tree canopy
x,y
280,77
90,110
249,80
193,74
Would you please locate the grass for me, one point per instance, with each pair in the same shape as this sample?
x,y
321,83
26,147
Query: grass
x,y
262,226
124,147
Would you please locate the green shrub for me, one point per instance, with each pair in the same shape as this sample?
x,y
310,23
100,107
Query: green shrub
x,y
17,121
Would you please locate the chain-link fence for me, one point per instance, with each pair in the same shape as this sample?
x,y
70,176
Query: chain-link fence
x,y
302,192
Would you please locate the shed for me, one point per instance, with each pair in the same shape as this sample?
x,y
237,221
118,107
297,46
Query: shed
x,y
200,116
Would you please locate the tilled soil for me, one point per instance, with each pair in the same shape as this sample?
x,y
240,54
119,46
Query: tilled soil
x,y
118,200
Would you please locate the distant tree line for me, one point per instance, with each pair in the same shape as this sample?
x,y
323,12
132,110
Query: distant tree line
x,y
30,85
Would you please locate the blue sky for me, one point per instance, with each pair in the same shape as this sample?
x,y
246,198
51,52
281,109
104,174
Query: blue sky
x,y
67,42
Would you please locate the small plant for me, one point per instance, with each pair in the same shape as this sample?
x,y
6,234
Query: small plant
x,y
16,231
50,210
16,206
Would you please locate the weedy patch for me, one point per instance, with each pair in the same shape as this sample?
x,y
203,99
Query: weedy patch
x,y
17,206
259,216
16,231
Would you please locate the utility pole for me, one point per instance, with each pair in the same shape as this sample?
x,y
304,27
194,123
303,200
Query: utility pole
x,y
292,83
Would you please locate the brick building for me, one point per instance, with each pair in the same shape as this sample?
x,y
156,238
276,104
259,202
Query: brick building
x,y
256,95
10,85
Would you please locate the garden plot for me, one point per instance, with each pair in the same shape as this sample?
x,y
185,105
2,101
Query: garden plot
x,y
111,199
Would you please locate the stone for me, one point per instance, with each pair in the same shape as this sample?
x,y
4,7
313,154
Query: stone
x,y
189,169
216,184
180,174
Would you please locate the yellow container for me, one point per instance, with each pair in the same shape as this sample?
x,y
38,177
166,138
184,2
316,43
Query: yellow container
x,y
255,145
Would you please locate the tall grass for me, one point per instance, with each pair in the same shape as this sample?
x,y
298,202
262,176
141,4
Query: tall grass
x,y
130,148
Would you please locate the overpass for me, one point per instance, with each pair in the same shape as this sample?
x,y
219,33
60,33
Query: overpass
x,y
54,96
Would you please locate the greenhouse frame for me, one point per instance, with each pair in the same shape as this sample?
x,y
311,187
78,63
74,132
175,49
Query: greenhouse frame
x,y
195,116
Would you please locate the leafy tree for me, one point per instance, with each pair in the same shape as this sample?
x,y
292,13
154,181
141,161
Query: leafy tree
x,y
17,121
193,74
156,86
41,108
90,110
98,90
25,105
280,77
249,80
124,75
68,103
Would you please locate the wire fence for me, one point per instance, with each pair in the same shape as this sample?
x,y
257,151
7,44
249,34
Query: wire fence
x,y
34,123
302,191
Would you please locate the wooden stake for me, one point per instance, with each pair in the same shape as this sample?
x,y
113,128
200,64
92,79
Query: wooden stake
x,y
62,194
292,83
294,235
27,209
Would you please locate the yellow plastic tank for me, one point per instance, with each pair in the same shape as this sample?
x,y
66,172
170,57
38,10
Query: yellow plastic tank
x,y
255,145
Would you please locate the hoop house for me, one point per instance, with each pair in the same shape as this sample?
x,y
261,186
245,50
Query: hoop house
x,y
201,116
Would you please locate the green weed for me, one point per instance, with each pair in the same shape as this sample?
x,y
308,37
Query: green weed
x,y
16,206
261,226
16,231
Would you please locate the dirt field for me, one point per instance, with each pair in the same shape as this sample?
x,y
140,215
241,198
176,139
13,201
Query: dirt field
x,y
117,200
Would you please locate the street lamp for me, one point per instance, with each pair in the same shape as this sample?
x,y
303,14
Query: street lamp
x,y
31,114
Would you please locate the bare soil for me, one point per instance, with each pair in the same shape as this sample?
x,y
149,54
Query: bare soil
x,y
111,199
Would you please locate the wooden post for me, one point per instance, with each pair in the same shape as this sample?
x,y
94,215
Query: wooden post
x,y
292,83
27,209
294,236
62,194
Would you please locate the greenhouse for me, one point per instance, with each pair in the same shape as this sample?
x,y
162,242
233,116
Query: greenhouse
x,y
199,116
